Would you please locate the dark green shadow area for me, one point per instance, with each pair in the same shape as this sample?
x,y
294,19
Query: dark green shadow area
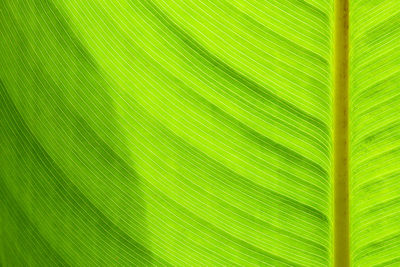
x,y
69,194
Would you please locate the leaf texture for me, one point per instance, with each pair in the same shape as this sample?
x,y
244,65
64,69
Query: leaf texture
x,y
166,132
375,132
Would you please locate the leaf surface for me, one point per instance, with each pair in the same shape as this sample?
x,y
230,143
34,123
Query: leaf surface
x,y
154,132
375,157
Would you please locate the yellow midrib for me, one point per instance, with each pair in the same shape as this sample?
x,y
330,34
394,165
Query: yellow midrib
x,y
341,136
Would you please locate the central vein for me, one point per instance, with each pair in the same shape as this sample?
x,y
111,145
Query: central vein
x,y
341,135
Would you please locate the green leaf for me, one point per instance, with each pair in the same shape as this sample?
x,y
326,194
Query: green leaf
x,y
153,132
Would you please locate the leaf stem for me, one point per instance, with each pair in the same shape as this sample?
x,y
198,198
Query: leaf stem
x,y
341,135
